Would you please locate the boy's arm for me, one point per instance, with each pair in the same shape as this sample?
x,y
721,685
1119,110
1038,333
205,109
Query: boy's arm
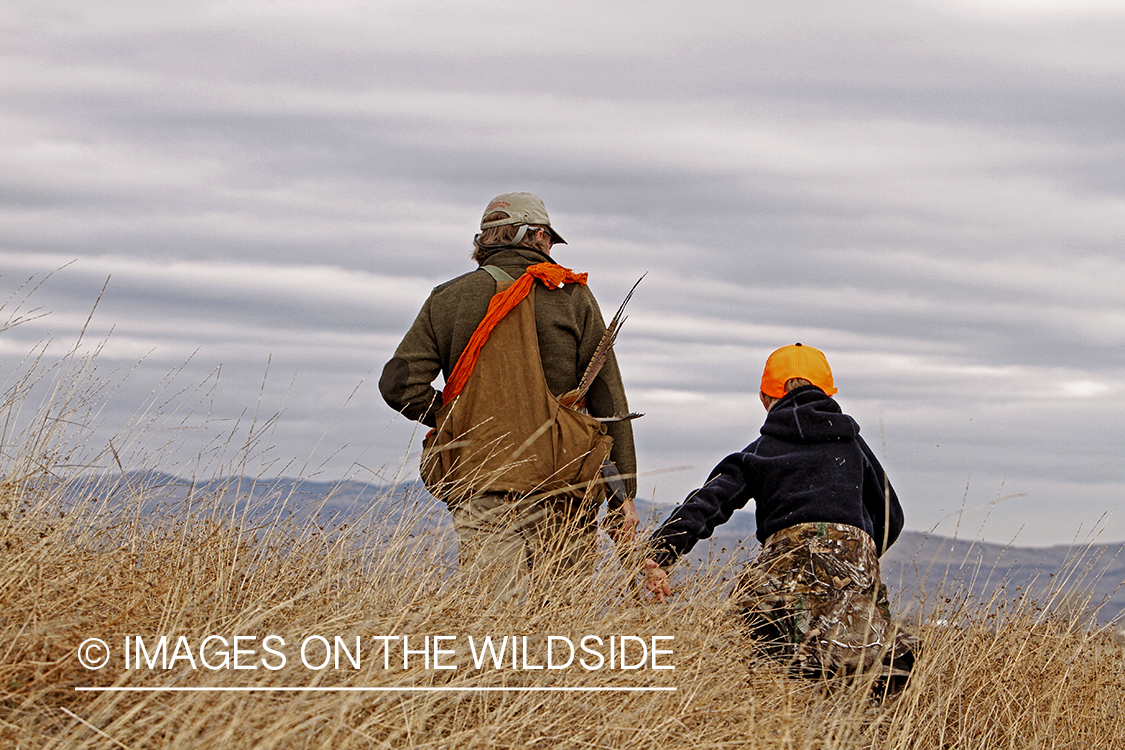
x,y
881,501
726,491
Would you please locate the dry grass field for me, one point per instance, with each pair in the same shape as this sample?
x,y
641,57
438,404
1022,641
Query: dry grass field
x,y
285,634
1011,678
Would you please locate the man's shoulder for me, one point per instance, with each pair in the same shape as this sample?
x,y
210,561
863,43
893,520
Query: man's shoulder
x,y
480,284
468,281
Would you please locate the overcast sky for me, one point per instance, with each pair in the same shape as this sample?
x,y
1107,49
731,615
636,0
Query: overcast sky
x,y
932,193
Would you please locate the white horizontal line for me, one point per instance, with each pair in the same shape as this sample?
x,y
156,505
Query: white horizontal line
x,y
433,689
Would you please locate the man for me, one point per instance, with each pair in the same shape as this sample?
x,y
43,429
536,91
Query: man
x,y
503,535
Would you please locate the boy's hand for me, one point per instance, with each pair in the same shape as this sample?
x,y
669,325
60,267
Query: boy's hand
x,y
624,527
656,581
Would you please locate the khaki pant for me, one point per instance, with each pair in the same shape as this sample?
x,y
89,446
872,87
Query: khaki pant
x,y
505,541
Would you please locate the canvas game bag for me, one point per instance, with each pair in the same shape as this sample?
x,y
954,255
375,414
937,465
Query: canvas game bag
x,y
504,431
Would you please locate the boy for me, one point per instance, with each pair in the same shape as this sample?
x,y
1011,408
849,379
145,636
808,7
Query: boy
x,y
825,513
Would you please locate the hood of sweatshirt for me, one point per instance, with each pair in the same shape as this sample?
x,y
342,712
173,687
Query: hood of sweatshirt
x,y
806,416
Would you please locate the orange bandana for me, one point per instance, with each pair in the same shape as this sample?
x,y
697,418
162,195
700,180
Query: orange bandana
x,y
501,304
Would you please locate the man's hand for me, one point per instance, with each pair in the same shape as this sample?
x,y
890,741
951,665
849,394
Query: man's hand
x,y
624,529
656,581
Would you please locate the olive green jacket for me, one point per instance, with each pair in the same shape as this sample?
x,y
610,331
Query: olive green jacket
x,y
569,325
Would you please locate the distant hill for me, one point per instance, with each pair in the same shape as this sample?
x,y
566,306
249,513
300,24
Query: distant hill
x,y
920,569
1079,579
285,497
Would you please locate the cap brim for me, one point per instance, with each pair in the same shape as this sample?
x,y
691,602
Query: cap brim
x,y
556,236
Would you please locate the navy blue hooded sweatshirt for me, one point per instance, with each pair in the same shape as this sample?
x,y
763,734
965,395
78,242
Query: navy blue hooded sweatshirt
x,y
809,465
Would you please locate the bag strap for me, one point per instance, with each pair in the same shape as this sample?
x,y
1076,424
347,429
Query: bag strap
x,y
498,273
552,275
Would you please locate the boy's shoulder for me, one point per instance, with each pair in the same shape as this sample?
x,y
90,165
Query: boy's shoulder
x,y
807,416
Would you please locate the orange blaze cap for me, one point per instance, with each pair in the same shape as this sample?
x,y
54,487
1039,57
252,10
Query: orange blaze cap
x,y
796,361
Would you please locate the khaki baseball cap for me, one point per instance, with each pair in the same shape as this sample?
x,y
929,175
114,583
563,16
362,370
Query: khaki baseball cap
x,y
522,208
797,361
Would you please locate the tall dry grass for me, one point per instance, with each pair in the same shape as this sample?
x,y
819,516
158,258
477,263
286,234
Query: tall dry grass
x,y
81,560
1005,679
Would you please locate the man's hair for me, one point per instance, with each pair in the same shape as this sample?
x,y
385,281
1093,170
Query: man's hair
x,y
791,384
502,236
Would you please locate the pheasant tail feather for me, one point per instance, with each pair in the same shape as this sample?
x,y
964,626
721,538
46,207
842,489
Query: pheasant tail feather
x,y
601,352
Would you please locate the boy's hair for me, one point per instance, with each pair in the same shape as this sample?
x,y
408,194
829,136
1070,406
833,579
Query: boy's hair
x,y
795,383
790,385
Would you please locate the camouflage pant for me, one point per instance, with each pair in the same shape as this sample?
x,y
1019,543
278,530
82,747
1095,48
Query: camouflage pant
x,y
814,595
504,540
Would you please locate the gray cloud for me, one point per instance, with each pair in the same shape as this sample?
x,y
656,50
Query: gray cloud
x,y
931,194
